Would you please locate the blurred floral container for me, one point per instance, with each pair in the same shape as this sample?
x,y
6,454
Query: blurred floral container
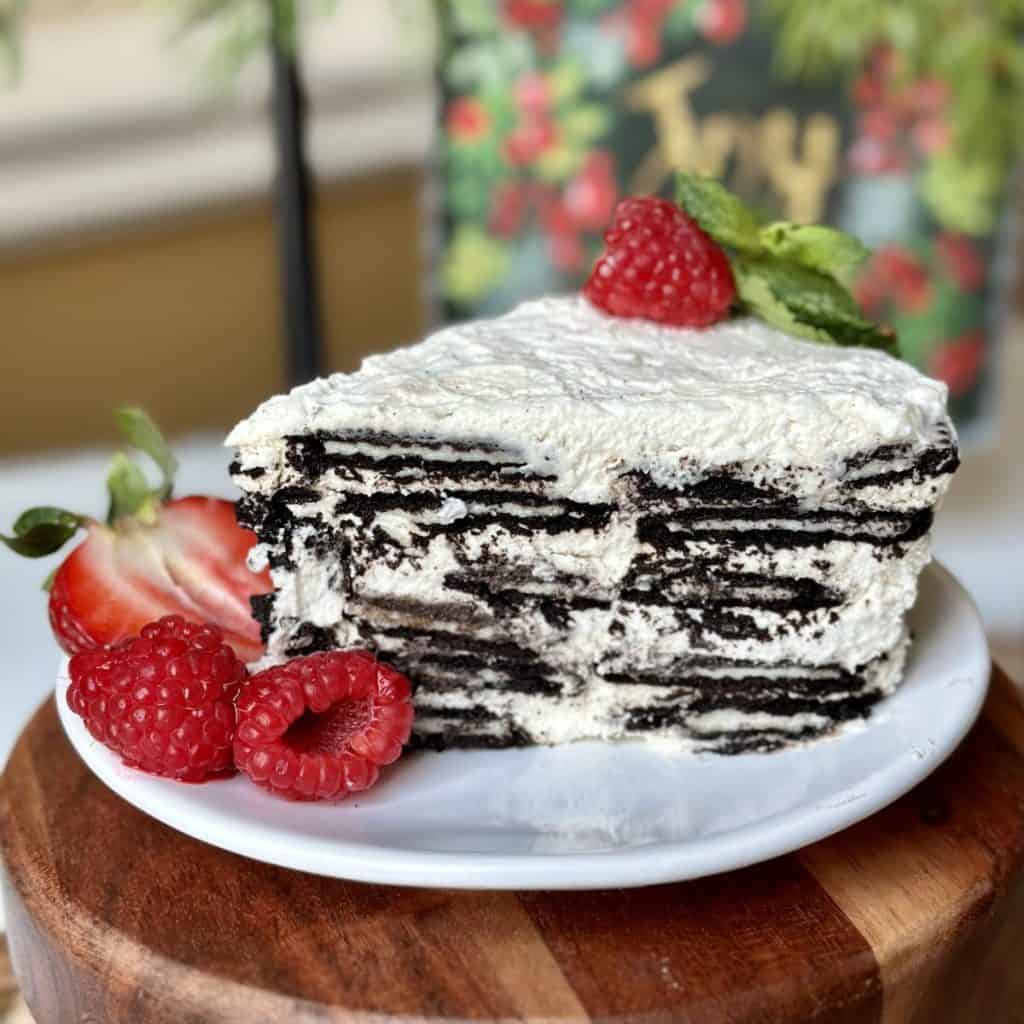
x,y
552,110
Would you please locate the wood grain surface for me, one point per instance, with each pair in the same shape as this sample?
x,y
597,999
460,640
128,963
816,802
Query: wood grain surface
x,y
916,915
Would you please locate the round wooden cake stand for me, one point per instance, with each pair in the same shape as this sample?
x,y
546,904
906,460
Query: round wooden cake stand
x,y
914,915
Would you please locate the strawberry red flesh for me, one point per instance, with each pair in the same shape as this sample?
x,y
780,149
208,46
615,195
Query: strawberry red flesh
x,y
152,557
209,562
190,562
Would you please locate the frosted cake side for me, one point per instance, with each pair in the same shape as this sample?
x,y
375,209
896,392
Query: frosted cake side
x,y
563,525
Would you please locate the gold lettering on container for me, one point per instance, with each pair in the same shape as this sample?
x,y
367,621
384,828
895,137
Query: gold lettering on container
x,y
800,167
802,181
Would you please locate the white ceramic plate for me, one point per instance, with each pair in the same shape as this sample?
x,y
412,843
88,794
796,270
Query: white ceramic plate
x,y
596,815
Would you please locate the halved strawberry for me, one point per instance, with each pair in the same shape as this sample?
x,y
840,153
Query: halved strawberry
x,y
153,557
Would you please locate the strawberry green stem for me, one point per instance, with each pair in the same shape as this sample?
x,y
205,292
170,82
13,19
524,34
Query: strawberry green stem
x,y
41,531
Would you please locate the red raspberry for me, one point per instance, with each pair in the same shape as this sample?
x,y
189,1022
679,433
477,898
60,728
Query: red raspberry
x,y
164,700
319,727
658,264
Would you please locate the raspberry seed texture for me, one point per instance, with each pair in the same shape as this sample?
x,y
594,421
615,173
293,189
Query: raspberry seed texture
x,y
659,265
163,701
321,726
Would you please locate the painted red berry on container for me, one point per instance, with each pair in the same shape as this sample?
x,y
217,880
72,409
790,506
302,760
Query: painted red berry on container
x,y
909,283
566,251
929,95
867,90
509,205
590,196
871,291
961,260
532,93
958,362
723,21
531,137
541,18
931,135
534,15
467,119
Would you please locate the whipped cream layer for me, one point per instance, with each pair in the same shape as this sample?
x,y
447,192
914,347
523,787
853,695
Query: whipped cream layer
x,y
562,525
582,395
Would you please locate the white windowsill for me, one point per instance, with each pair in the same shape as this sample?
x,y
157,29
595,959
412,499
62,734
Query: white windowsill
x,y
114,122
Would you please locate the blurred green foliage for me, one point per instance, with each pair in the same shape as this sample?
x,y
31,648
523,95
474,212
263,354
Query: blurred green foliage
x,y
977,47
243,28
11,12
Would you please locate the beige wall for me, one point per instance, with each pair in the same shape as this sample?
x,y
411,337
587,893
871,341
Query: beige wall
x,y
182,317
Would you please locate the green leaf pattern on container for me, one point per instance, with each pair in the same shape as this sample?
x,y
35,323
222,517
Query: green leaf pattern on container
x,y
544,129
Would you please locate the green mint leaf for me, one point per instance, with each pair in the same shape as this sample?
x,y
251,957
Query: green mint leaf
x,y
128,488
768,282
41,531
816,247
806,303
721,214
47,584
842,327
142,433
757,296
794,276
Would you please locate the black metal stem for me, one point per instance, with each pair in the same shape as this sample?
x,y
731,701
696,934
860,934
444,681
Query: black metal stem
x,y
295,233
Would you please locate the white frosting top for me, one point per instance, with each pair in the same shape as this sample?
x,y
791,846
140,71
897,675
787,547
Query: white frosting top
x,y
582,393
